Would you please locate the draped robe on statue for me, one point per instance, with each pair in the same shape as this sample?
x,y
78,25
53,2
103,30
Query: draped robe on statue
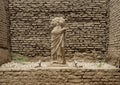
x,y
57,43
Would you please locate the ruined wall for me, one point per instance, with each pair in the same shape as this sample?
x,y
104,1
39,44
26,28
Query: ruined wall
x,y
114,33
4,30
30,20
60,77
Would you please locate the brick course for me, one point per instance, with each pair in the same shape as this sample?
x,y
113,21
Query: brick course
x,y
30,25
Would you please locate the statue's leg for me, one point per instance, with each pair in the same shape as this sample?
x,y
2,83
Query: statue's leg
x,y
63,56
54,56
54,60
59,59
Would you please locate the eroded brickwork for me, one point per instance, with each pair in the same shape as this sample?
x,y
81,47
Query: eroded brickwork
x,y
3,26
4,29
30,25
114,33
60,77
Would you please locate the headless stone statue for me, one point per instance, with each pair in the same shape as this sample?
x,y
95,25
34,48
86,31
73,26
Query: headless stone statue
x,y
57,40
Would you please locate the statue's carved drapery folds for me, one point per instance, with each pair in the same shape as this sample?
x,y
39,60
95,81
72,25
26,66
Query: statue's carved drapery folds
x,y
58,40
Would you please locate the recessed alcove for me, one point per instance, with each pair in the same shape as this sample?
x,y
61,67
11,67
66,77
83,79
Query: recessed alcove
x,y
92,45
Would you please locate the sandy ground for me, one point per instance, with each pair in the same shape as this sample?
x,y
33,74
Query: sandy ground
x,y
49,65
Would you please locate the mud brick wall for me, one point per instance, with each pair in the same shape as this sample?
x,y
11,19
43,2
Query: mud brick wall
x,y
4,32
30,25
114,33
60,77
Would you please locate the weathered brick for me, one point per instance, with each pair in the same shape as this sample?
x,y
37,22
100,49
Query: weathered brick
x,y
59,77
114,34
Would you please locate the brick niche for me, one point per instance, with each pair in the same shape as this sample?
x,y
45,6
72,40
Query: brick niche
x,y
30,25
